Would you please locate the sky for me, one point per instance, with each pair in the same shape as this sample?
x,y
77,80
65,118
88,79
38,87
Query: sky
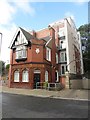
x,y
36,15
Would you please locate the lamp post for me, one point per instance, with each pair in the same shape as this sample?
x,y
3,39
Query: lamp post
x,y
0,54
0,41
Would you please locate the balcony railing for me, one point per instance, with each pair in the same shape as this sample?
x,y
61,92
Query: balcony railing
x,y
61,37
60,48
62,62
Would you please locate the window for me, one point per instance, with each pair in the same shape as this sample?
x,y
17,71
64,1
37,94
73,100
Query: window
x,y
16,76
63,57
21,52
61,32
25,76
46,76
63,69
56,58
56,76
48,54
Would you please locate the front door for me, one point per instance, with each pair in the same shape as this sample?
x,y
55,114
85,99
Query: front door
x,y
36,79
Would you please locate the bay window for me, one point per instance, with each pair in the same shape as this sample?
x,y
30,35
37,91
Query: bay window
x,y
21,52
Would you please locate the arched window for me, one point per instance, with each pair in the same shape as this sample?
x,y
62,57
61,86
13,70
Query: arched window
x,y
56,76
46,76
25,76
16,76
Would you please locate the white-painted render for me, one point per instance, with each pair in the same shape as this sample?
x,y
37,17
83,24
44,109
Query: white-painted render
x,y
72,38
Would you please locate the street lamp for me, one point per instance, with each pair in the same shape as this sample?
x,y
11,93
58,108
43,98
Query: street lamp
x,y
0,41
0,53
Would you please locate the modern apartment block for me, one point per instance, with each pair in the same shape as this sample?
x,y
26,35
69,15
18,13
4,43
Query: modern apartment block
x,y
68,42
45,55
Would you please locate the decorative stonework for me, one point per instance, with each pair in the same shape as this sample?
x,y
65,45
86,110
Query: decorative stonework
x,y
37,50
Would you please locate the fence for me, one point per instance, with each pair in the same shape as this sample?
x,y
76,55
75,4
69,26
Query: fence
x,y
76,82
80,84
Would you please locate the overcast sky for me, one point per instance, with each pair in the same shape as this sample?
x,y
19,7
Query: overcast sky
x,y
36,15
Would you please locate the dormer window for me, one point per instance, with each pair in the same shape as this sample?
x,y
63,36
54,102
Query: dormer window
x,y
21,52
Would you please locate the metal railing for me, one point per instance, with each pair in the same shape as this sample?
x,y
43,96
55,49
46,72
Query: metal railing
x,y
48,86
41,85
54,86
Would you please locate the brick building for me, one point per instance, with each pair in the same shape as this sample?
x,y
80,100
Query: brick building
x,y
45,55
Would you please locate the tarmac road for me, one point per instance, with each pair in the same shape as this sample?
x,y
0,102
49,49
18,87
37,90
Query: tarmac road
x,y
22,106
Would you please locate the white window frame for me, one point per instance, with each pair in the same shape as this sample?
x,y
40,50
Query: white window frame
x,y
64,69
21,52
46,76
61,32
16,76
64,52
48,55
56,58
57,76
25,76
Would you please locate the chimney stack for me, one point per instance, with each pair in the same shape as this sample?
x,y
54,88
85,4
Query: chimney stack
x,y
53,53
33,33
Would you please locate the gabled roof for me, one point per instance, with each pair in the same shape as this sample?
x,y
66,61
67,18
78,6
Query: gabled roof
x,y
49,43
27,35
47,38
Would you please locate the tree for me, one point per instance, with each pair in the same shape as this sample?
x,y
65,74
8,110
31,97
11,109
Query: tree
x,y
85,37
7,68
2,67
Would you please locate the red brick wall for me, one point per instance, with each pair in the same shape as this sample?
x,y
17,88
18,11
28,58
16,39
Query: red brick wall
x,y
43,33
62,80
32,56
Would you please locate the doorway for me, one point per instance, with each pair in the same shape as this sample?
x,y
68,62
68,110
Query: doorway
x,y
36,79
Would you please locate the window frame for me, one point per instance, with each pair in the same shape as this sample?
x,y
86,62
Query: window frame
x,y
48,54
24,76
65,56
15,76
46,76
57,59
57,76
21,51
65,68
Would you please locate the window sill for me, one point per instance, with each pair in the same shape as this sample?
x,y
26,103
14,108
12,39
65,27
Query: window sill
x,y
62,62
20,59
16,82
25,82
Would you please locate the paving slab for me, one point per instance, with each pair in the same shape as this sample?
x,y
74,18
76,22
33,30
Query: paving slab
x,y
62,94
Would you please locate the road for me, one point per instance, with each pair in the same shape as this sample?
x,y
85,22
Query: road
x,y
20,106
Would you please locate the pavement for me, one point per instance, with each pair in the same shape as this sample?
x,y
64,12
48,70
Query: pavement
x,y
62,94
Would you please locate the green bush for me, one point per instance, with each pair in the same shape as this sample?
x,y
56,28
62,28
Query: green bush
x,y
45,85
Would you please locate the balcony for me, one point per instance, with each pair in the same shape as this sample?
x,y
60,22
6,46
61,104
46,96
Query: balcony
x,y
61,37
62,62
60,48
